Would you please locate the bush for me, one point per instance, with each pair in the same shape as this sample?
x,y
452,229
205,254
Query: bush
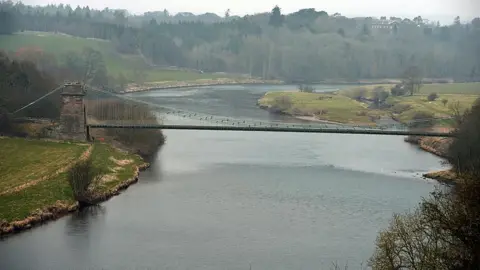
x,y
80,177
444,102
422,119
432,97
282,103
306,88
400,108
358,93
379,95
398,90
144,142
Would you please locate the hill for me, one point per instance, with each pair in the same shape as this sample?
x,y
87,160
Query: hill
x,y
116,63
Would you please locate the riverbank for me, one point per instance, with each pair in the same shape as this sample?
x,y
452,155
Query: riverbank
x,y
35,189
197,83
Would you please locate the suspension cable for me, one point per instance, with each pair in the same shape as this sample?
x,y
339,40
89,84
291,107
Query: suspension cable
x,y
37,100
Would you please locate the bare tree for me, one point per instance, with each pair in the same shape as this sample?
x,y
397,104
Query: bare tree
x,y
412,80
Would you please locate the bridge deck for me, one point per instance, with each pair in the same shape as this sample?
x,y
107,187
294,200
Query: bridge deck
x,y
278,129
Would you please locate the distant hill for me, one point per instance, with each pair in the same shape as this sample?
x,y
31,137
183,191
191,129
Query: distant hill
x,y
116,63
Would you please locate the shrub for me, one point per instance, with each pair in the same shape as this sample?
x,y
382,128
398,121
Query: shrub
x,y
142,141
422,119
282,103
400,108
444,102
306,88
80,177
432,97
358,93
398,90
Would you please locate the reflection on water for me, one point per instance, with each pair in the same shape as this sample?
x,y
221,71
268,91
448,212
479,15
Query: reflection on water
x,y
228,200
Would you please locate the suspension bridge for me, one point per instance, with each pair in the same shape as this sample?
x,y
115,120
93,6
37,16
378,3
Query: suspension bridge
x,y
121,111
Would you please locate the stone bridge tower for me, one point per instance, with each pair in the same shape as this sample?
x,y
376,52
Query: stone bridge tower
x,y
72,114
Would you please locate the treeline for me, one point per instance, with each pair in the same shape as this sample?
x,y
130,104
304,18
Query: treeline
x,y
21,83
28,74
307,45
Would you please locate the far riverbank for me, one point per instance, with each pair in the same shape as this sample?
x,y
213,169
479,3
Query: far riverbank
x,y
148,86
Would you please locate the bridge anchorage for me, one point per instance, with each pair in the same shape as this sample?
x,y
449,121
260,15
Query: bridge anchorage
x,y
76,121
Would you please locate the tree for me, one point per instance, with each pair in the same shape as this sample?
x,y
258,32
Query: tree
x,y
456,21
412,80
444,102
227,14
94,69
365,30
379,95
276,18
80,177
395,28
464,152
443,232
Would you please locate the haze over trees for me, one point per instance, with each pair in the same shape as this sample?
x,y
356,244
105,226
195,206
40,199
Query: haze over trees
x,y
305,46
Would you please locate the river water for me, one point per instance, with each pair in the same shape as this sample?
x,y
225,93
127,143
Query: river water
x,y
238,200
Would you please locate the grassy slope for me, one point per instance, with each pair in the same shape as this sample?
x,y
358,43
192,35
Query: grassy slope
x,y
31,156
339,108
343,109
116,63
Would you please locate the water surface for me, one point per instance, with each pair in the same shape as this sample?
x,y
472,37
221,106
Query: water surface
x,y
231,200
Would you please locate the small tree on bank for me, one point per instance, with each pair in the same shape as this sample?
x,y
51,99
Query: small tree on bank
x,y
80,177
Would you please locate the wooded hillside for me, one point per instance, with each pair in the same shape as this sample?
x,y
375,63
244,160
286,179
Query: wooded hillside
x,y
307,45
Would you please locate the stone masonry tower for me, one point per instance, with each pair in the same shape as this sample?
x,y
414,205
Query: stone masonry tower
x,y
72,115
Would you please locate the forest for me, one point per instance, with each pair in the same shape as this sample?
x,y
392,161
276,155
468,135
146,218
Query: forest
x,y
304,46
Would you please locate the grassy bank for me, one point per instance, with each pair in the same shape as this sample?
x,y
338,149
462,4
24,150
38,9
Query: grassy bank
x,y
342,106
196,83
116,63
33,177
328,107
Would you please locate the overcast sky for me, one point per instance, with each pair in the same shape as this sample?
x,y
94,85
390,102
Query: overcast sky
x,y
434,9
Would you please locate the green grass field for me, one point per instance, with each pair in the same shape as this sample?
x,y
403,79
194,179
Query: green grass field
x,y
452,88
58,44
23,160
341,107
328,107
463,93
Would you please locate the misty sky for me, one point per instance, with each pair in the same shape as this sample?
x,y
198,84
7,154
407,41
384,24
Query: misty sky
x,y
434,9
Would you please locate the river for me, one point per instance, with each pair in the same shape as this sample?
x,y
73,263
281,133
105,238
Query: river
x,y
238,200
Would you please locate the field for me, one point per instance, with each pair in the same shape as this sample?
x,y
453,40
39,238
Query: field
x,y
59,44
328,107
452,88
33,176
341,107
